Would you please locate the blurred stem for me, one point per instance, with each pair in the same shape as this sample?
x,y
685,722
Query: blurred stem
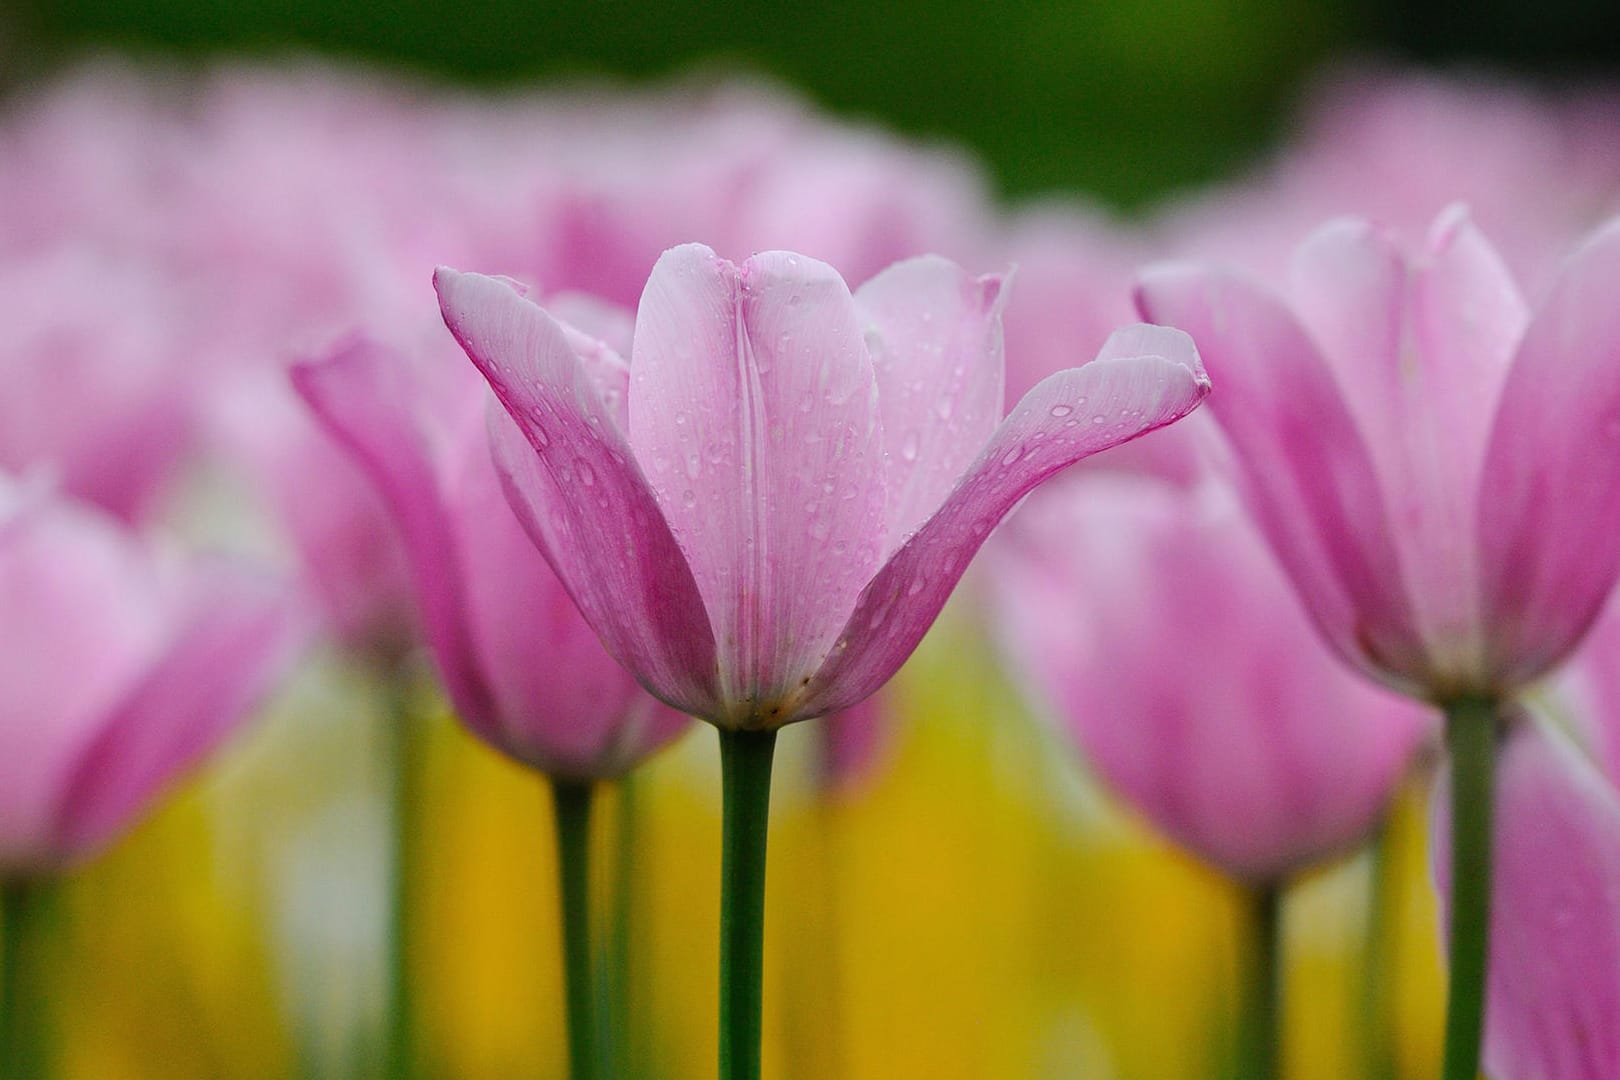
x,y
1259,1047
615,986
405,741
1378,952
26,918
572,801
745,766
1471,738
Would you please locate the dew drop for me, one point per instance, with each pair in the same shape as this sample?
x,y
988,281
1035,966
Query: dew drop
x,y
1062,410
943,408
908,449
916,586
694,466
541,437
1098,419
819,529
688,498
1011,456
583,470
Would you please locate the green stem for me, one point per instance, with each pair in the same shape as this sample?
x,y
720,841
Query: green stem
x,y
572,802
745,764
406,753
619,1055
25,1023
1379,959
1471,738
1260,1039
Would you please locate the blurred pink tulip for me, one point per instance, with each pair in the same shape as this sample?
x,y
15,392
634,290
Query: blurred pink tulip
x,y
765,510
1435,468
1554,997
1160,632
523,669
120,672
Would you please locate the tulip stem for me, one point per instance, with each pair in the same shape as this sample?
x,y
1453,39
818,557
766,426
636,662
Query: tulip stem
x,y
1471,738
1260,1034
571,801
25,915
615,990
405,744
1379,952
745,766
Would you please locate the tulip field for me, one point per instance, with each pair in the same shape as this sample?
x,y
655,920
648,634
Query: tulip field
x,y
604,581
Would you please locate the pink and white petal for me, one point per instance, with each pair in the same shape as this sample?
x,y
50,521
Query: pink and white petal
x,y
363,396
753,400
1301,463
1068,416
934,335
581,495
1549,518
239,634
1553,997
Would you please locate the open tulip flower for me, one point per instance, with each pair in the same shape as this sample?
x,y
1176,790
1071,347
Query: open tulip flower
x,y
763,512
1438,470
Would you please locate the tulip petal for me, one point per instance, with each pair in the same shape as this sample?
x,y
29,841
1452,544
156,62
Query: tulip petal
x,y
1553,1000
240,635
1420,352
753,404
1144,378
82,614
1302,463
581,495
1549,520
935,338
364,398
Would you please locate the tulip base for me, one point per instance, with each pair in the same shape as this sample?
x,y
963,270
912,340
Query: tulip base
x,y
745,764
1471,738
25,1025
571,802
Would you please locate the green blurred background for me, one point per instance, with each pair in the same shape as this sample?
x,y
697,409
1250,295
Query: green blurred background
x,y
1125,100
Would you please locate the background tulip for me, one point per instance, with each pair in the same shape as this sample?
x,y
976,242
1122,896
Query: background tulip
x,y
1432,465
1159,632
120,671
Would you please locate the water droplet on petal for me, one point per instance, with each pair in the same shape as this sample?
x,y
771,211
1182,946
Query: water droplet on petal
x,y
688,498
694,466
908,449
1062,410
916,586
1098,419
1011,456
583,470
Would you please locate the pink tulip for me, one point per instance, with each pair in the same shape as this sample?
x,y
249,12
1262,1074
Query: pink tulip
x,y
120,672
765,510
523,670
1435,467
1554,1000
1162,635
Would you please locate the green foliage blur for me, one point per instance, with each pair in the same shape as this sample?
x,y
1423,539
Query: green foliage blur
x,y
1122,99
